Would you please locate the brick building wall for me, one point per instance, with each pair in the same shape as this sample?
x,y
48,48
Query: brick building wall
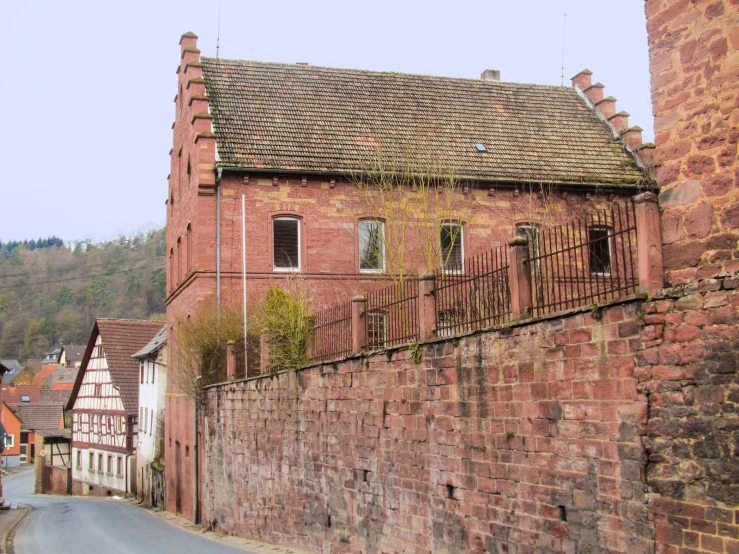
x,y
507,440
694,61
329,210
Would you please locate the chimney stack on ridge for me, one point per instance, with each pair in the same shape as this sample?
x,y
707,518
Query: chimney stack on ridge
x,y
490,75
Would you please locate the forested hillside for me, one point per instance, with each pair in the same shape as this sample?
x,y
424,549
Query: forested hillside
x,y
51,293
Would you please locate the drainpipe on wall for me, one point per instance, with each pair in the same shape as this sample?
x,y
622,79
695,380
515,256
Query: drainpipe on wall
x,y
219,174
196,476
127,487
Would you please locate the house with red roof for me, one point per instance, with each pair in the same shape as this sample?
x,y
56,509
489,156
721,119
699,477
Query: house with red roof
x,y
14,395
280,149
105,404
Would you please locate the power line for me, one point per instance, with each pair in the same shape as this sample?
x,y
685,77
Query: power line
x,y
61,269
89,275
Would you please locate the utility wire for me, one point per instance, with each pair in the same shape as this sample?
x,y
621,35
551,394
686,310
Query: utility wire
x,y
60,269
88,276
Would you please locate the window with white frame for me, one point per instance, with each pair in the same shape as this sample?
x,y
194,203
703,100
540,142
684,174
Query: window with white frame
x,y
371,246
451,240
599,249
9,441
286,244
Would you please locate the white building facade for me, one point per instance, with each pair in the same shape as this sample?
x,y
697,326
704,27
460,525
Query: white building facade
x,y
152,361
104,405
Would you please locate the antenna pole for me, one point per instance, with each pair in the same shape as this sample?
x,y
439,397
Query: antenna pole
x,y
564,35
218,36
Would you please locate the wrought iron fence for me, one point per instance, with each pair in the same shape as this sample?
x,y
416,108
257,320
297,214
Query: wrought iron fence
x,y
392,314
586,262
474,295
332,332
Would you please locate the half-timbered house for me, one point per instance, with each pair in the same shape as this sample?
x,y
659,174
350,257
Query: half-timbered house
x,y
104,405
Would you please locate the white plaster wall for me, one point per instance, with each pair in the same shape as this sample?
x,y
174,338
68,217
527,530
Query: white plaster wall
x,y
94,476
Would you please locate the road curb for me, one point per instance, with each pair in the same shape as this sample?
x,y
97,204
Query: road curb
x,y
7,538
228,540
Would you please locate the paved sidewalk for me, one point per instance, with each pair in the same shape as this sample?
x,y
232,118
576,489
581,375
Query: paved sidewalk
x,y
254,546
9,521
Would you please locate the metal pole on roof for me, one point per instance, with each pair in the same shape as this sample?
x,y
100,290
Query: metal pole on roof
x,y
564,35
218,38
243,278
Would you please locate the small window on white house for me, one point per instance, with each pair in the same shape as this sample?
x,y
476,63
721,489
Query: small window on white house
x,y
119,466
599,239
91,462
286,244
79,458
371,246
100,462
452,247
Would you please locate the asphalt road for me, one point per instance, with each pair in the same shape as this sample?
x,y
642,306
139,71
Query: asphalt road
x,y
82,525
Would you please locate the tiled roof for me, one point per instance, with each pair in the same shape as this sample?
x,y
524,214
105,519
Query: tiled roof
x,y
40,415
295,117
13,395
73,352
65,385
159,340
57,395
56,433
44,374
121,338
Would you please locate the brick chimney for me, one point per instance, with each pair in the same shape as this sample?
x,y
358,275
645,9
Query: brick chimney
x,y
490,75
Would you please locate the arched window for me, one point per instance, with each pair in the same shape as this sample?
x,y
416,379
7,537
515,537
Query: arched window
x,y
286,243
371,246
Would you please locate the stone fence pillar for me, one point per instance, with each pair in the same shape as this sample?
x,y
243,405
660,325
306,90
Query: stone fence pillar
x,y
426,306
359,323
649,243
230,360
519,274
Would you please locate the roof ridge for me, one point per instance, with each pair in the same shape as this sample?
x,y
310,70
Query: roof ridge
x,y
121,319
300,67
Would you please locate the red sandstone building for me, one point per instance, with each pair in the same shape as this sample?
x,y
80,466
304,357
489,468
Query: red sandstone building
x,y
288,140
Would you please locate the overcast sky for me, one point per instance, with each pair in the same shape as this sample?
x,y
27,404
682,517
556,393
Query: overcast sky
x,y
87,88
